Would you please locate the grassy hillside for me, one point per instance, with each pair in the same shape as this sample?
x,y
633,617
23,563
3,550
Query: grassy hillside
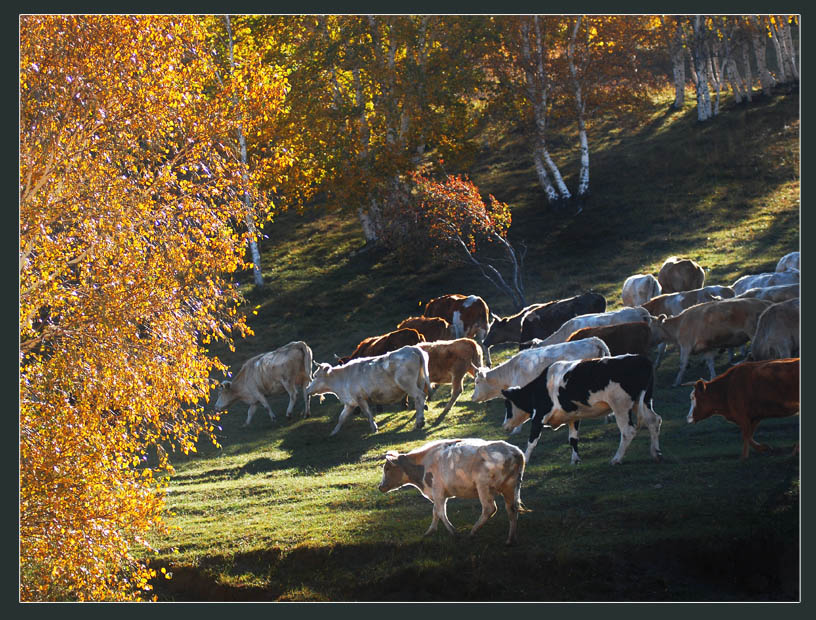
x,y
282,512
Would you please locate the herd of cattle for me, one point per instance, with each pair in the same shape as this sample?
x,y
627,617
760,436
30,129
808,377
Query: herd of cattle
x,y
576,360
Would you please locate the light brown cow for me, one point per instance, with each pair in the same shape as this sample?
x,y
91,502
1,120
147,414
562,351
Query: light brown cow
x,y
283,370
380,345
748,393
432,327
449,361
672,304
639,288
708,327
777,333
680,274
468,315
470,468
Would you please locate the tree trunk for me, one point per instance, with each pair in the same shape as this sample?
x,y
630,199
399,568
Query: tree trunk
x,y
746,61
788,38
701,78
543,177
735,79
583,175
249,219
781,65
369,222
758,41
678,64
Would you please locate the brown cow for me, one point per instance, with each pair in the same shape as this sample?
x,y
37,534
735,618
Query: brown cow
x,y
380,345
508,328
433,328
777,333
708,327
747,393
449,361
468,315
680,274
623,338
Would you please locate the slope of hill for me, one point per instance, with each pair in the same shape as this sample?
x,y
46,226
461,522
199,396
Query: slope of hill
x,y
282,512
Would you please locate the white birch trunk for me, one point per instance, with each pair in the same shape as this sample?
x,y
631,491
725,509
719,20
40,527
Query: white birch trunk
x,y
543,177
583,175
248,215
780,57
786,45
735,79
791,51
678,65
701,81
758,41
749,78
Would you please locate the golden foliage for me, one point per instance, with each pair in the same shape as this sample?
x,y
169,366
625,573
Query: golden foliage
x,y
129,202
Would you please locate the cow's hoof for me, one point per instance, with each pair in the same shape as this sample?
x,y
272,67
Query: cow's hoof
x,y
575,462
658,457
615,462
510,543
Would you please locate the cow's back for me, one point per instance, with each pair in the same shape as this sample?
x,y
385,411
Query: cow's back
x,y
764,389
623,338
543,322
777,332
271,371
680,274
725,323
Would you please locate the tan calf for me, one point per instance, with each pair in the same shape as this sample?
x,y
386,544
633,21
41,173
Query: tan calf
x,y
777,333
708,327
449,361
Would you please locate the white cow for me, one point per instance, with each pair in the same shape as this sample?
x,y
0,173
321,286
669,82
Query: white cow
x,y
283,370
460,468
764,280
625,315
776,294
526,365
788,262
639,288
379,380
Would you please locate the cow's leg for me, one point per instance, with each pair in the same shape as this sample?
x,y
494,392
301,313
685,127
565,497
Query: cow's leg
x,y
456,390
684,359
653,423
364,406
627,433
347,409
512,503
759,447
419,401
442,502
250,413
292,391
709,358
573,440
434,522
661,352
488,506
266,406
307,399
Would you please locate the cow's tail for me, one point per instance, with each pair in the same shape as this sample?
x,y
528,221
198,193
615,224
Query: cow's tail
x,y
424,382
308,361
647,395
517,488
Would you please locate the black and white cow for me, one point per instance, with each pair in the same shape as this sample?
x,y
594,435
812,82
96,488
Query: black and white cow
x,y
569,391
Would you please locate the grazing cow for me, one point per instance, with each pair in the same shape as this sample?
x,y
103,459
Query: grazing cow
x,y
680,274
379,345
528,364
468,315
777,332
377,380
788,262
569,391
432,328
624,315
621,338
708,327
639,288
542,322
748,393
672,304
775,294
283,370
764,280
470,468
507,329
449,361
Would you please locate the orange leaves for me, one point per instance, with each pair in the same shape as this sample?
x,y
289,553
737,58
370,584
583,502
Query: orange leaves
x,y
126,246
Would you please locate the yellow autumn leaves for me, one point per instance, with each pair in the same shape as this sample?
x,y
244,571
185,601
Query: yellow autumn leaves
x,y
128,198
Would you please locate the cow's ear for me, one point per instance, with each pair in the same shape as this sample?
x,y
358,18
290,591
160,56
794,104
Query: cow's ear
x,y
226,385
391,457
661,318
699,385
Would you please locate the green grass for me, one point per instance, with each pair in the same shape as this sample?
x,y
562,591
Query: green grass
x,y
283,512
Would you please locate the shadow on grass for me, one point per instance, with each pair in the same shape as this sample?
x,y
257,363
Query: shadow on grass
x,y
763,567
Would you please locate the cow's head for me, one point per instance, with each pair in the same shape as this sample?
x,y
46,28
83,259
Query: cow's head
x,y
496,331
225,396
699,409
394,476
320,380
513,415
481,386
